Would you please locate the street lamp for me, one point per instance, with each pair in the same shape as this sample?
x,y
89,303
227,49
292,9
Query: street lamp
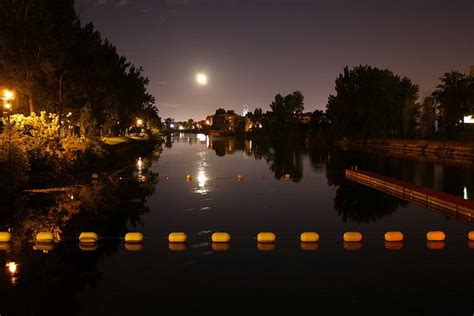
x,y
8,95
139,122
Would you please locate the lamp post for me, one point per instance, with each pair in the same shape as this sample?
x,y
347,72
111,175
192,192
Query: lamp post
x,y
7,97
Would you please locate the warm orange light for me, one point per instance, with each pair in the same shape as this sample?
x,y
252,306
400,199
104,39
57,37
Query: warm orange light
x,y
12,267
8,95
139,122
7,106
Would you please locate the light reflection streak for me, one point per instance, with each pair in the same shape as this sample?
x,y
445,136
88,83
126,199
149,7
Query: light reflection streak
x,y
202,177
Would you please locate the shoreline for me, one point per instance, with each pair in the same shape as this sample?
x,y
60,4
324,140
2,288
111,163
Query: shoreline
x,y
451,152
116,156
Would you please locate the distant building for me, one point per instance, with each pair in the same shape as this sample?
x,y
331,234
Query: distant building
x,y
305,118
227,121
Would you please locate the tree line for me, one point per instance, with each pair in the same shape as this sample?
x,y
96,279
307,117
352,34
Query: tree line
x,y
370,102
56,64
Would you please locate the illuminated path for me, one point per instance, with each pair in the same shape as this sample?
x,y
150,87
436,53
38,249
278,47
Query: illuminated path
x,y
447,204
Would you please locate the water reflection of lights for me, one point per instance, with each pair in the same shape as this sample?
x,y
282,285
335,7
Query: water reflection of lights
x,y
12,267
201,137
140,164
202,179
140,168
465,194
201,176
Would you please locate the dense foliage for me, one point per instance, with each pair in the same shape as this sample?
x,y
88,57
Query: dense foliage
x,y
372,102
32,144
455,97
57,65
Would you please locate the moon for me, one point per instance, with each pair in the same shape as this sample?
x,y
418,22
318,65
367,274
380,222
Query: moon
x,y
201,79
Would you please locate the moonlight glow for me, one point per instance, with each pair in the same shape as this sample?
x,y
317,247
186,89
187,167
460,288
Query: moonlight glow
x,y
201,79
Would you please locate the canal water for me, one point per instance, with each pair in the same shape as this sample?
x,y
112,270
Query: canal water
x,y
285,187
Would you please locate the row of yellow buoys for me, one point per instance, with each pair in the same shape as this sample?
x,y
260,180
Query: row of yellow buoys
x,y
265,240
239,177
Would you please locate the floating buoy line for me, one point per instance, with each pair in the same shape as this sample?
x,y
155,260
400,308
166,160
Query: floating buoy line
x,y
220,241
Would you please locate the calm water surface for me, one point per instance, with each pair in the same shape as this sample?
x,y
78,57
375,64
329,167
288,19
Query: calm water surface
x,y
152,196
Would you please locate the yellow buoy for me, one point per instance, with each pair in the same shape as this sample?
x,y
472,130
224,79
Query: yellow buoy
x,y
220,237
435,245
436,235
309,237
266,237
352,245
133,246
45,237
133,237
309,246
220,246
4,246
88,246
352,237
88,237
393,236
393,245
265,246
177,237
176,246
470,235
5,237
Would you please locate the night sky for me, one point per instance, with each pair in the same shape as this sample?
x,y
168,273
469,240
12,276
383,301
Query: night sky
x,y
254,49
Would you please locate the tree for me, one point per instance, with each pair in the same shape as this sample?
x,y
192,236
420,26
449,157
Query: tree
x,y
286,109
168,123
47,56
455,97
189,124
220,111
34,38
427,117
372,102
319,120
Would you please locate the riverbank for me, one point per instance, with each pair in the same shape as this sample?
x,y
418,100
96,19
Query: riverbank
x,y
100,157
433,150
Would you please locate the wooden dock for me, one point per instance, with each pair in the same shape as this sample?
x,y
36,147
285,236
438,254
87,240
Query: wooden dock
x,y
447,204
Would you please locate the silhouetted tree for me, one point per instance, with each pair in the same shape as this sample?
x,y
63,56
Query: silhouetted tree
x,y
455,97
372,102
56,65
427,117
286,109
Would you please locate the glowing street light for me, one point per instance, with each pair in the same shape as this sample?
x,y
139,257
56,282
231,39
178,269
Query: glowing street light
x,y
7,97
201,79
139,122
